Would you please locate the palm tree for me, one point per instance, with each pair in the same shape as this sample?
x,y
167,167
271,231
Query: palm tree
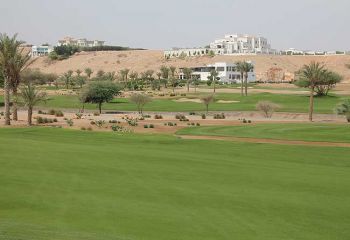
x,y
188,76
246,67
88,72
29,97
20,63
8,51
239,67
207,100
213,77
310,75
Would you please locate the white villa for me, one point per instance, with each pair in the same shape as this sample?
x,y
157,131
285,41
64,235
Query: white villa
x,y
38,51
82,42
241,44
227,72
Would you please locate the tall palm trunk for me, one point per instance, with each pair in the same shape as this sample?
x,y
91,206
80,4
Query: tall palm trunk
x,y
242,82
30,114
7,100
188,85
311,105
14,105
246,83
214,85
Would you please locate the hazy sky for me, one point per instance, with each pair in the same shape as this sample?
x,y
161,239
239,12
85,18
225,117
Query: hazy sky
x,y
160,24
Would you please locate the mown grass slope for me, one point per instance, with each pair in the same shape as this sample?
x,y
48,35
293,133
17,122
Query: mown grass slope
x,y
60,184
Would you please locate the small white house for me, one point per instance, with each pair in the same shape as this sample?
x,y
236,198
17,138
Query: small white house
x,y
227,72
38,51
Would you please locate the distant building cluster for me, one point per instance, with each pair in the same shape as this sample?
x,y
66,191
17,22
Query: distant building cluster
x,y
45,50
231,44
241,44
81,42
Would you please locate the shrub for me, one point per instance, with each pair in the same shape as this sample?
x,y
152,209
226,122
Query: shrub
x,y
267,108
114,121
172,95
40,112
78,115
52,112
83,128
100,123
59,113
145,126
204,116
151,126
219,116
89,129
158,116
192,113
70,122
96,114
92,123
55,120
131,122
197,124
183,94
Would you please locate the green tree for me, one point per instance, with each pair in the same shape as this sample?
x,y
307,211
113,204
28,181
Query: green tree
x,y
67,78
101,92
80,80
140,100
9,48
188,76
29,96
328,80
310,76
165,75
88,72
344,109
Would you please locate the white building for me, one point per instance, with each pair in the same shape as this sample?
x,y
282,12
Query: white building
x,y
227,72
241,44
82,42
38,51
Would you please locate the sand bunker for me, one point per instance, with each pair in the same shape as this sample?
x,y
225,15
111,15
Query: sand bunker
x,y
196,100
224,101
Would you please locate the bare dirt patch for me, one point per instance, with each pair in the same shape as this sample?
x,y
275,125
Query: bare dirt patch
x,y
195,100
266,140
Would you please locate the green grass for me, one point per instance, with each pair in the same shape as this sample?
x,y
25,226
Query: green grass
x,y
288,131
288,103
59,184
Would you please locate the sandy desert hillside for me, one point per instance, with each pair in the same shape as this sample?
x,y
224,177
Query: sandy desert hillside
x,y
152,59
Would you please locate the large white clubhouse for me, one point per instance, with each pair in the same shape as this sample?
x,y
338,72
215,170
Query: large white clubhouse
x,y
227,72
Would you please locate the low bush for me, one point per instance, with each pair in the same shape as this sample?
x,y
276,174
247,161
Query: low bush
x,y
267,108
204,116
79,115
96,114
219,116
192,113
92,123
158,116
59,113
41,120
70,122
145,126
100,123
114,121
83,128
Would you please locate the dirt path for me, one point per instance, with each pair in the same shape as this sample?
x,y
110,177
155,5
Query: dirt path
x,y
265,140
